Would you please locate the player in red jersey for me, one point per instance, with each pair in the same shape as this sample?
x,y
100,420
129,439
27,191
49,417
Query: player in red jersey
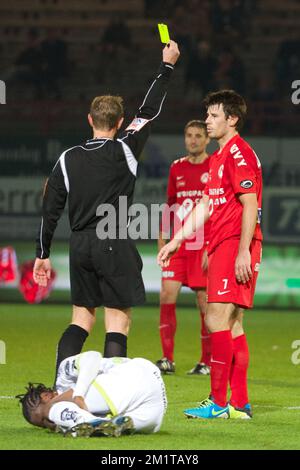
x,y
187,180
232,202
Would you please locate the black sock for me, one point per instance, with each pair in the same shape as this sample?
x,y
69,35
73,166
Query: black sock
x,y
115,345
70,344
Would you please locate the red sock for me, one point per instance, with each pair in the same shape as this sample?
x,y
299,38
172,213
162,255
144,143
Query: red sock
x,y
205,343
167,329
221,359
238,373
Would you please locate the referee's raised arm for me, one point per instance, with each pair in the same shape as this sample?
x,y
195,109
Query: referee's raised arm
x,y
136,134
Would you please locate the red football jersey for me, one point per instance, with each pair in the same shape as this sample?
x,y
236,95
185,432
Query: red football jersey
x,y
185,187
234,170
8,265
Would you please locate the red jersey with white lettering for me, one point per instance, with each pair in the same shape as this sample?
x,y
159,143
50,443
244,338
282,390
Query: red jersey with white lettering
x,y
185,187
234,170
8,265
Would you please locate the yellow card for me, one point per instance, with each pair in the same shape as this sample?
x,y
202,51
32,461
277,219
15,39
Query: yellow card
x,y
164,33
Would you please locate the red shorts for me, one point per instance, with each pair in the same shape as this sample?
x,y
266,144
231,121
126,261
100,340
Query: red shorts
x,y
222,286
185,267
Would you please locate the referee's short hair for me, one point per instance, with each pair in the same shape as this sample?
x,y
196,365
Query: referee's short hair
x,y
196,123
106,111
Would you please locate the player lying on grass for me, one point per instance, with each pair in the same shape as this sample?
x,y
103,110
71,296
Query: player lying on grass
x,y
99,396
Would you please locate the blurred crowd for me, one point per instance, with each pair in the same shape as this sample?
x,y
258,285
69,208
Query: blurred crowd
x,y
214,44
41,64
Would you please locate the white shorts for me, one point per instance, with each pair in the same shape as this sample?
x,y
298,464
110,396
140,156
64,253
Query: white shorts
x,y
134,389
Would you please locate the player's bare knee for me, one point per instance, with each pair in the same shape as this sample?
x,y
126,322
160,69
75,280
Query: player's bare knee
x,y
236,322
213,323
167,297
201,306
168,294
205,321
218,316
201,300
169,291
164,299
237,314
237,330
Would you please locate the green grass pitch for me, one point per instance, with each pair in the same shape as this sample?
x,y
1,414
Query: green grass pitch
x,y
31,333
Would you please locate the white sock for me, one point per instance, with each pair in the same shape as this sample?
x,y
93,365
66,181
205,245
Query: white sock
x,y
68,414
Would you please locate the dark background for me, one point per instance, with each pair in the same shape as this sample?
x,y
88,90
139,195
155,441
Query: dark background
x,y
56,55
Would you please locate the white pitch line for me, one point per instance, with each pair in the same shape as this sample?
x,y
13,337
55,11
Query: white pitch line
x,y
278,406
254,406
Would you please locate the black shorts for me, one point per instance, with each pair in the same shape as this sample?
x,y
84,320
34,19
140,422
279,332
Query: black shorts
x,y
105,272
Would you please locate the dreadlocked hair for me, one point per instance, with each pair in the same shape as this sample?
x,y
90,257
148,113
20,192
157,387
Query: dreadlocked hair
x,y
32,398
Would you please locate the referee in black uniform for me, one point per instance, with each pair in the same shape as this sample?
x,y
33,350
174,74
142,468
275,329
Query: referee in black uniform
x,y
102,271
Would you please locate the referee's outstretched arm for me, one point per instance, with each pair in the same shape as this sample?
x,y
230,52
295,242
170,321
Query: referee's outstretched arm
x,y
138,131
132,139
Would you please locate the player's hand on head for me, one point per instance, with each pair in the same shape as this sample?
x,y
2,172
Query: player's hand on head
x,y
171,52
42,271
243,271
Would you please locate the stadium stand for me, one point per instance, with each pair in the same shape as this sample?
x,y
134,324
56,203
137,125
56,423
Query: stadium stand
x,y
92,69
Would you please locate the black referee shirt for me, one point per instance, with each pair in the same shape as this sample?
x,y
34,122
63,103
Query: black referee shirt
x,y
99,171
